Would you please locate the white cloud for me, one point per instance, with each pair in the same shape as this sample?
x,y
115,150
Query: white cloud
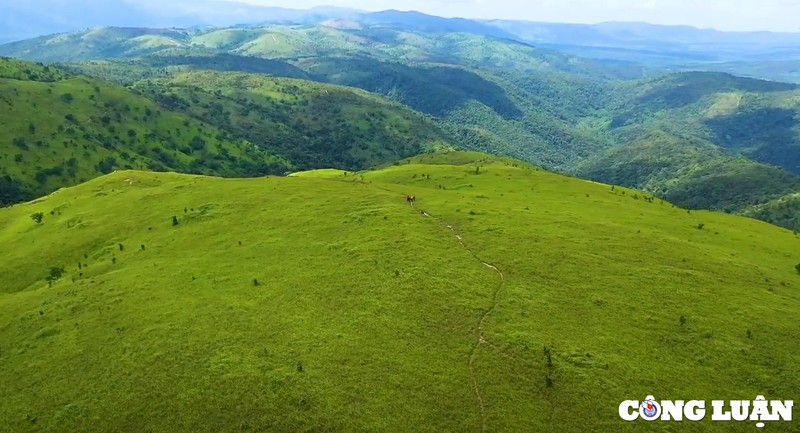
x,y
776,15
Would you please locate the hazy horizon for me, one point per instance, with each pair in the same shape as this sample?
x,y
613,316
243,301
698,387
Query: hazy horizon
x,y
724,15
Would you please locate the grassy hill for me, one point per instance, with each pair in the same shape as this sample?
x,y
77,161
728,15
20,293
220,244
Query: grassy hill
x,y
61,129
58,130
507,299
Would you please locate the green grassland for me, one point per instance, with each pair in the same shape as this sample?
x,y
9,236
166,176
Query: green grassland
x,y
68,130
324,302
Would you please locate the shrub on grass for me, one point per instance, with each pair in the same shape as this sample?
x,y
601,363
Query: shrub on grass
x,y
548,356
548,379
38,216
55,274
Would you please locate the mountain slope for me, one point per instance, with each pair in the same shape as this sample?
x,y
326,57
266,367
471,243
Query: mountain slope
x,y
325,302
752,117
692,172
686,136
58,130
314,125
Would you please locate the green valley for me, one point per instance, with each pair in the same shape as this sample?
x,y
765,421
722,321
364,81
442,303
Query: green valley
x,y
506,299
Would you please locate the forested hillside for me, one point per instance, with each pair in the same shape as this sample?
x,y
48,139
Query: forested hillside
x,y
314,125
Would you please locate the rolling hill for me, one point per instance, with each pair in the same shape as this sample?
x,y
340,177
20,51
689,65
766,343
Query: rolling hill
x,y
635,45
507,299
60,129
692,172
489,94
751,117
315,125
291,42
23,20
705,140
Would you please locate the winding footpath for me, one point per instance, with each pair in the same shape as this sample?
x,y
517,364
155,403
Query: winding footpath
x,y
479,337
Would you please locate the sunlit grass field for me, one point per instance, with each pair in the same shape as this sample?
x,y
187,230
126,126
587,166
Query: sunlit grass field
x,y
323,301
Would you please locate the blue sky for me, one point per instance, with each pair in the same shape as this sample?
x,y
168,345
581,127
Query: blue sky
x,y
774,15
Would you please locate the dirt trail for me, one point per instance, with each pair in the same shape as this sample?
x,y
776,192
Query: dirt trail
x,y
479,337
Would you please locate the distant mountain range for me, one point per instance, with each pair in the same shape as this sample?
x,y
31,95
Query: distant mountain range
x,y
23,20
766,55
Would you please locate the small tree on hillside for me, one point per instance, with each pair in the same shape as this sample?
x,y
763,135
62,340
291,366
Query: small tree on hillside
x,y
797,267
55,274
38,216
